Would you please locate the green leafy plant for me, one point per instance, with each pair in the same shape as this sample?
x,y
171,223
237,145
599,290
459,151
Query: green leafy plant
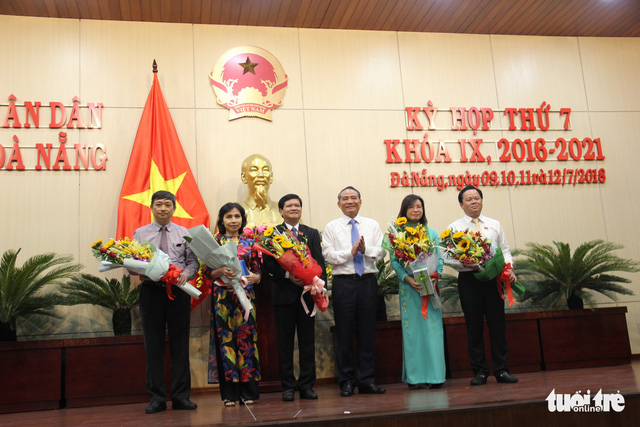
x,y
386,278
387,285
23,292
551,273
113,294
448,285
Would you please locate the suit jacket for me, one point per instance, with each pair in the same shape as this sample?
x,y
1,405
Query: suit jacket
x,y
284,291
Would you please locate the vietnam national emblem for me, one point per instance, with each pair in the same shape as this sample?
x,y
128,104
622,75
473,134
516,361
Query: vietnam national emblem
x,y
249,81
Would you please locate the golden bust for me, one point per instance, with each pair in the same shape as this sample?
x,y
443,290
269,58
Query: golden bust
x,y
257,173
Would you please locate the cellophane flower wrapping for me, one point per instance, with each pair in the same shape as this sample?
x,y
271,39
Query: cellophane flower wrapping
x,y
422,269
140,258
493,267
214,255
293,265
295,257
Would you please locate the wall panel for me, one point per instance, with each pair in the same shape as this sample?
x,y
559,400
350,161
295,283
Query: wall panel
x,y
451,70
117,59
530,70
350,70
41,59
610,73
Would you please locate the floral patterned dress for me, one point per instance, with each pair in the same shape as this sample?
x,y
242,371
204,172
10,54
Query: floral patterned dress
x,y
236,339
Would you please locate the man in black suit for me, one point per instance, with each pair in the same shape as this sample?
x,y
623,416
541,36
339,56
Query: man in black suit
x,y
288,309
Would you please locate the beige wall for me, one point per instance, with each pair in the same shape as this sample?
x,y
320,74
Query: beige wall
x,y
347,93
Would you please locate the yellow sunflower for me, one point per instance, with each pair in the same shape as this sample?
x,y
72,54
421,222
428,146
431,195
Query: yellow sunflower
x,y
96,244
109,244
268,232
278,239
446,233
410,230
458,235
401,221
464,245
286,244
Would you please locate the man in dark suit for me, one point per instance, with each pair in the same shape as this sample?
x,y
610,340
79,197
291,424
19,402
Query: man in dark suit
x,y
288,309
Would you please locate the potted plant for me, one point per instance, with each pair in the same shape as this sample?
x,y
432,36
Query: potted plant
x,y
553,272
113,294
22,288
387,285
448,285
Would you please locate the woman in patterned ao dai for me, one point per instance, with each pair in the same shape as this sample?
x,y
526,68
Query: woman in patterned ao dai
x,y
233,348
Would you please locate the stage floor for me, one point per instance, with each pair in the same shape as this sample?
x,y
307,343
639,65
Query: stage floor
x,y
456,404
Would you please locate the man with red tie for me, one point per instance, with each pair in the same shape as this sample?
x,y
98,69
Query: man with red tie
x,y
288,309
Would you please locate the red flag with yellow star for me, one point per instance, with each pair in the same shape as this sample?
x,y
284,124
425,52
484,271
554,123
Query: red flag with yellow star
x,y
158,162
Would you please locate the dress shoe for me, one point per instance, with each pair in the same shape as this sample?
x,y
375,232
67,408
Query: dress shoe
x,y
436,386
289,395
506,377
185,404
308,393
479,379
370,389
156,406
346,390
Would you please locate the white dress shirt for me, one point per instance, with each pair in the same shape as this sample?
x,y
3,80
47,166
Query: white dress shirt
x,y
490,229
336,244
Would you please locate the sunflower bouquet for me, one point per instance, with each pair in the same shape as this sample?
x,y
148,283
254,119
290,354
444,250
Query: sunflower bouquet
x,y
140,258
407,242
415,250
295,257
116,251
465,249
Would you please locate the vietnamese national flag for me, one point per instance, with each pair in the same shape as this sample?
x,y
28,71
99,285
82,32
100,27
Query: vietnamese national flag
x,y
158,162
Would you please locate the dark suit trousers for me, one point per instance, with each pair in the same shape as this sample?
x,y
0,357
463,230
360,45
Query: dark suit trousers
x,y
289,317
479,300
159,312
354,307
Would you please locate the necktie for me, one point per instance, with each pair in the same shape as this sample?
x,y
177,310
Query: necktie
x,y
476,221
163,239
295,231
358,260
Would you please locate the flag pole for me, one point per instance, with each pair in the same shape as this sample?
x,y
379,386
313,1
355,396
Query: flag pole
x,y
155,66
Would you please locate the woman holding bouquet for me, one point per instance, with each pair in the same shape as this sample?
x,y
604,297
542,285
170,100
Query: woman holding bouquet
x,y
422,337
233,351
